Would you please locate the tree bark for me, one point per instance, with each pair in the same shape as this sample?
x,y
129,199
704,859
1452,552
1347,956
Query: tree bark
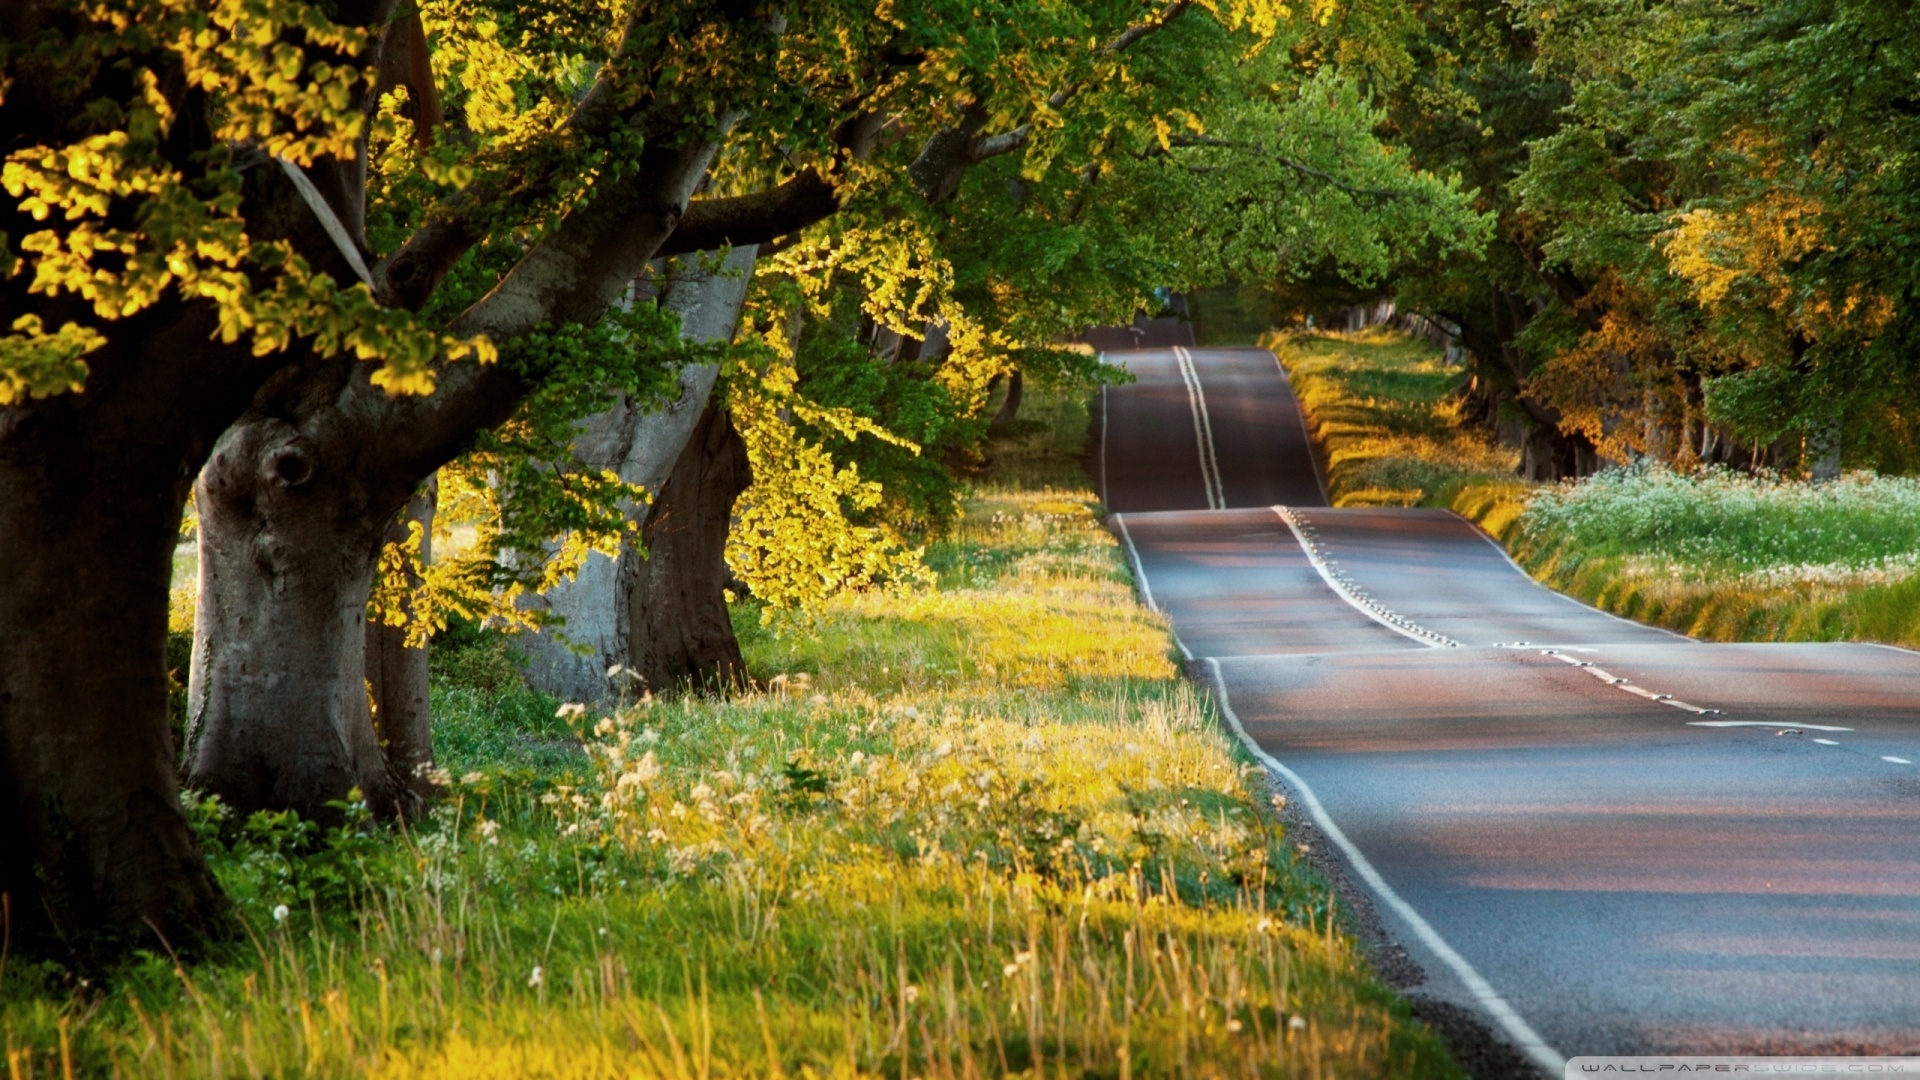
x,y
92,485
1010,406
91,491
301,491
682,636
397,683
643,447
277,704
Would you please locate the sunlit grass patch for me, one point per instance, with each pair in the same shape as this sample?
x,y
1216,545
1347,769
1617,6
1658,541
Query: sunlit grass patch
x,y
1033,595
1382,409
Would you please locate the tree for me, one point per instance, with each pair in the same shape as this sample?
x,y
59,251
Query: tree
x,y
183,214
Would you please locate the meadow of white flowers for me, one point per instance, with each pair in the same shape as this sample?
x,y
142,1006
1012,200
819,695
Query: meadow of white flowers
x,y
1765,529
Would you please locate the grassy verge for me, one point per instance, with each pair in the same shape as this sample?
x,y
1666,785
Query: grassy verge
x,y
979,830
1382,408
1718,556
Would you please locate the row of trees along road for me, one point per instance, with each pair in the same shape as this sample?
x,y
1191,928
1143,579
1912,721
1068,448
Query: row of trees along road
x,y
299,260
1705,214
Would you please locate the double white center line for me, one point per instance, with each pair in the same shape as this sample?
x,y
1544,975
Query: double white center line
x,y
1202,430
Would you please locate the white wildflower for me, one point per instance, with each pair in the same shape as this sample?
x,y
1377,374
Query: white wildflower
x,y
280,913
538,978
570,710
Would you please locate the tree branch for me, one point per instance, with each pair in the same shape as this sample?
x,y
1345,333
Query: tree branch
x,y
1300,167
806,199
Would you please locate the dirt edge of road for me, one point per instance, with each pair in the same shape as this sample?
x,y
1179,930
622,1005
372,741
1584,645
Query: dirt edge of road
x,y
1480,1051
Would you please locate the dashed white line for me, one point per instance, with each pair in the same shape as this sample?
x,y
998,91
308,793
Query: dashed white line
x,y
1496,1006
1765,723
1826,742
1895,760
1621,683
1345,589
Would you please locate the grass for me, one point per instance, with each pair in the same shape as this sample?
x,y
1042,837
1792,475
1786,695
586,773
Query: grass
x,y
1720,556
1382,408
1730,557
976,830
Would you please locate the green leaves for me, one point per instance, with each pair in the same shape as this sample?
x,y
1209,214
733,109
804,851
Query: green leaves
x,y
34,363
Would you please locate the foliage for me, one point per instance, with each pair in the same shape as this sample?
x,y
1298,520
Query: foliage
x,y
128,226
1706,217
1714,554
934,842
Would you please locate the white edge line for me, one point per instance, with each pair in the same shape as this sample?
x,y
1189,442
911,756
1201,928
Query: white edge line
x,y
1306,429
1140,575
1574,600
1219,492
1340,591
1104,419
1496,1006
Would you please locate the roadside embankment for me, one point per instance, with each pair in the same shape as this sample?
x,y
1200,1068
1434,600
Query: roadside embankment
x,y
1718,555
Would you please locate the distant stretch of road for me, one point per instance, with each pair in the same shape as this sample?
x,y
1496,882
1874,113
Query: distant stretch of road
x,y
1602,837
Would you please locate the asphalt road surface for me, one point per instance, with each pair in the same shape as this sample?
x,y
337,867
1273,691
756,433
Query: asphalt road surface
x,y
1601,837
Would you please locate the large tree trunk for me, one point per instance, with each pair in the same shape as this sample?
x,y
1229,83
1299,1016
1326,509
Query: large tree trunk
x,y
277,705
397,684
91,491
300,493
676,596
571,662
92,485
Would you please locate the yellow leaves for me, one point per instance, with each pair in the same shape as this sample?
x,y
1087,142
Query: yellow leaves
x,y
796,538
189,237
1748,258
34,363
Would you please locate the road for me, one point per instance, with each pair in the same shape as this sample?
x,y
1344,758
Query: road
x,y
1601,837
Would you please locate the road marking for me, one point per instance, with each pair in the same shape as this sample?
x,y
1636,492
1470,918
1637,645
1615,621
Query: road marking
x,y
1140,575
1345,591
1826,742
1103,440
1895,760
1202,430
1621,683
1763,725
1496,1006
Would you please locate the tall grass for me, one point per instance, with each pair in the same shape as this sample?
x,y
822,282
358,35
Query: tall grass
x,y
977,830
